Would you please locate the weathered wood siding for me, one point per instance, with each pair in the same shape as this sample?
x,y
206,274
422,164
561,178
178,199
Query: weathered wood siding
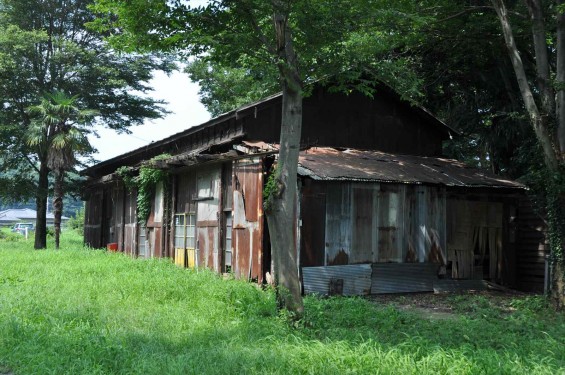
x,y
354,120
93,219
130,221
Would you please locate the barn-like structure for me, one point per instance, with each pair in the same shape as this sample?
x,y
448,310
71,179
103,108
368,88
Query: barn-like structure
x,y
379,209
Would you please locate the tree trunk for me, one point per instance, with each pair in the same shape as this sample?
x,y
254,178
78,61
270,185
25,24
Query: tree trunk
x,y
542,57
281,213
41,207
536,119
282,203
58,204
559,84
558,285
553,151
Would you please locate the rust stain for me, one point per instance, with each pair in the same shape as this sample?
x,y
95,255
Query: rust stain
x,y
324,163
436,254
341,258
411,253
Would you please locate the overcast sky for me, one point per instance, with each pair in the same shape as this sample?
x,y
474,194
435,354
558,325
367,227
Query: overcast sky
x,y
186,111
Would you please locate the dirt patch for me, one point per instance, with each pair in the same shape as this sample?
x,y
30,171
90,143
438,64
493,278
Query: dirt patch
x,y
450,305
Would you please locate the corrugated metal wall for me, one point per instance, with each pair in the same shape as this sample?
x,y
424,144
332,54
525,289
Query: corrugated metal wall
x,y
350,280
403,277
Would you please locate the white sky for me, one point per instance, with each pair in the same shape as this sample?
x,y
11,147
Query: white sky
x,y
183,103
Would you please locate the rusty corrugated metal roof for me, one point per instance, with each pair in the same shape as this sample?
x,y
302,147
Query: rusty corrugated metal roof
x,y
323,163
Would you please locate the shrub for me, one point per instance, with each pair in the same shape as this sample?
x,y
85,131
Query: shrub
x,y
76,223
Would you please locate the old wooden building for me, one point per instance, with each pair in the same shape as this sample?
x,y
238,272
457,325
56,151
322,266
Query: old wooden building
x,y
379,209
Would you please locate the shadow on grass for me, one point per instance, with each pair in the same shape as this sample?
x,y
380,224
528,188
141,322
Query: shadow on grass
x,y
369,341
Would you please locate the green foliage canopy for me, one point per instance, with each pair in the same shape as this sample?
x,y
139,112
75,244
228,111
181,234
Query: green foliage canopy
x,y
45,47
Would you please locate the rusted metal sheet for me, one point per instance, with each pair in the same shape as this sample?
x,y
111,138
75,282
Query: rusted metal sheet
x,y
156,248
356,279
403,277
322,163
248,219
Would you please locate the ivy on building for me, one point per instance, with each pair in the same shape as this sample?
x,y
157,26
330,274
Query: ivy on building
x,y
145,182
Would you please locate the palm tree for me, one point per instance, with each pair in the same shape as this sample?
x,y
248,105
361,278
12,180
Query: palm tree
x,y
59,131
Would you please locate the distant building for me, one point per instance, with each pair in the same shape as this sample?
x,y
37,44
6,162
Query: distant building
x,y
12,216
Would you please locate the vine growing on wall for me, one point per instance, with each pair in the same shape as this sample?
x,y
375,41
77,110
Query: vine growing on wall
x,y
144,183
271,189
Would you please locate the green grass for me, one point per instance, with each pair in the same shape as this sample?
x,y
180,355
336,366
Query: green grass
x,y
81,311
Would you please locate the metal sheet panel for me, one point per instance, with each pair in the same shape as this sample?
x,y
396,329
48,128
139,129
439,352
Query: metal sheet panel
x,y
322,163
403,277
248,219
390,223
356,279
207,217
363,239
338,224
130,218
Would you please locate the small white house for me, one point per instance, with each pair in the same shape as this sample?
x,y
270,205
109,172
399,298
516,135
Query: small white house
x,y
15,215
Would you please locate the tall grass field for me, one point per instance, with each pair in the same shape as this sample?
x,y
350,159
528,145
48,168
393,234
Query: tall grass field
x,y
84,311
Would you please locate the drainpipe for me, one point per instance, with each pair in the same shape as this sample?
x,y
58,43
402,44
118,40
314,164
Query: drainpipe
x,y
547,275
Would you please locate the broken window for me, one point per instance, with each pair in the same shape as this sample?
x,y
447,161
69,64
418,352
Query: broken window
x,y
228,249
185,239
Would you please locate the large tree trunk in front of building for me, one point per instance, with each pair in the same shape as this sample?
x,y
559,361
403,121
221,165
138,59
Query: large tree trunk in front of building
x,y
560,82
281,204
58,204
557,288
41,207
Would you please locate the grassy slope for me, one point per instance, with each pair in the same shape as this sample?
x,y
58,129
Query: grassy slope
x,y
84,311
